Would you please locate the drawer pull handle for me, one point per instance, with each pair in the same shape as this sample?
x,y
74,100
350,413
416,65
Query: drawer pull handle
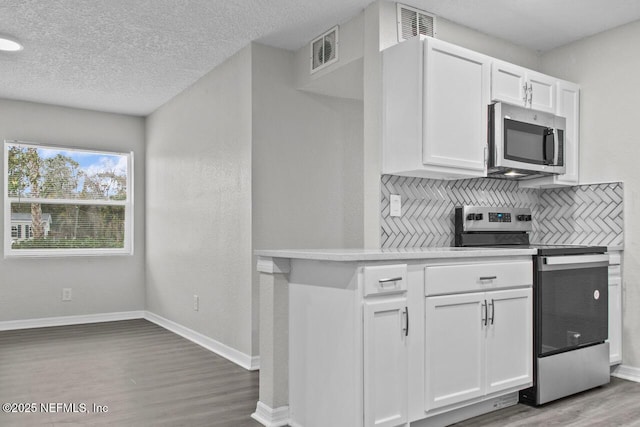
x,y
389,280
488,278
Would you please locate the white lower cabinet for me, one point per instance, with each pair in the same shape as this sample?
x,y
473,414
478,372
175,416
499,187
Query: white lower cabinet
x,y
615,309
385,362
369,343
477,344
509,340
479,337
455,345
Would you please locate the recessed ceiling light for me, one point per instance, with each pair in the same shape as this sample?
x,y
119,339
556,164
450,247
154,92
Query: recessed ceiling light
x,y
9,45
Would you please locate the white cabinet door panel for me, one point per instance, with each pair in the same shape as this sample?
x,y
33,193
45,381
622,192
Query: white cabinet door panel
x,y
542,94
456,94
508,83
520,86
615,320
569,107
454,349
509,339
385,363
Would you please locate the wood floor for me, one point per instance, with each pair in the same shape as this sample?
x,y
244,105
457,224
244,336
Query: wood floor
x,y
615,404
148,376
144,374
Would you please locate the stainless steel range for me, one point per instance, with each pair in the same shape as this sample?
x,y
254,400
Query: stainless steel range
x,y
570,301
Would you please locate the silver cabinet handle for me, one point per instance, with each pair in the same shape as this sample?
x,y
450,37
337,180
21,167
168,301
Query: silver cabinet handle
x,y
493,310
389,280
406,322
488,278
484,308
526,93
530,94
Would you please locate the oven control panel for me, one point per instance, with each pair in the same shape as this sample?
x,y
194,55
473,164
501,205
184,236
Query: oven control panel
x,y
499,217
485,218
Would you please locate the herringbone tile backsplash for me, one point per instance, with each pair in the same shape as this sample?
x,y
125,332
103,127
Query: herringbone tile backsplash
x,y
590,214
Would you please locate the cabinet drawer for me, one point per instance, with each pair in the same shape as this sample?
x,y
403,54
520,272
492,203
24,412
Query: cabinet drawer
x,y
385,279
451,279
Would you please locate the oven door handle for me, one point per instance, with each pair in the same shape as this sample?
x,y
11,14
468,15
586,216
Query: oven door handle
x,y
574,261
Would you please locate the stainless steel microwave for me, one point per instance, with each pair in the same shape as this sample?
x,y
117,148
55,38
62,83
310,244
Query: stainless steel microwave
x,y
524,143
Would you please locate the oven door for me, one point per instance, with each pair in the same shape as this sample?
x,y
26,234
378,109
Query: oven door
x,y
571,302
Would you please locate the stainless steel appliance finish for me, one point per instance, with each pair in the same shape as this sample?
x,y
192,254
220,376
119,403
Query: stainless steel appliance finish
x,y
570,372
570,301
524,143
485,226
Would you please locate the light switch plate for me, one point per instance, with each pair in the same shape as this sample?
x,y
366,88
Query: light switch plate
x,y
395,205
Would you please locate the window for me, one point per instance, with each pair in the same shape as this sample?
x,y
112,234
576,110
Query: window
x,y
67,201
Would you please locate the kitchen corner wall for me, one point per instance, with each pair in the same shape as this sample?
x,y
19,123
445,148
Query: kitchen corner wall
x,y
242,160
587,215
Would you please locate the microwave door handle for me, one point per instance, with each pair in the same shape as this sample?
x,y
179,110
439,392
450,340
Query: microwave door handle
x,y
556,147
549,149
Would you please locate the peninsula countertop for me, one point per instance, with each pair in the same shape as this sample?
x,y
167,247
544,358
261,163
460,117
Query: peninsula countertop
x,y
350,255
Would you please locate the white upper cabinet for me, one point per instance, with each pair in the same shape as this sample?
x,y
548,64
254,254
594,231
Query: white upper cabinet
x,y
520,86
456,95
434,110
435,98
567,106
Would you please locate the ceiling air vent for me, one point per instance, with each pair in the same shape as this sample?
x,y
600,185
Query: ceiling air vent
x,y
324,50
413,22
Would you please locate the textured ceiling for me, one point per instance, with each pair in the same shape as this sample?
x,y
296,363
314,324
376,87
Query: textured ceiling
x,y
131,56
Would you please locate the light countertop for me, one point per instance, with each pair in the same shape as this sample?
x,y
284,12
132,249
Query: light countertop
x,y
390,253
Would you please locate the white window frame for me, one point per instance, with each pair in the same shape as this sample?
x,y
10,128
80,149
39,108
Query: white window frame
x,y
127,248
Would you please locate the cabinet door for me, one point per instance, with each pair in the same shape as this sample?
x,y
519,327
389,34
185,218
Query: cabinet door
x,y
615,319
385,362
454,349
508,83
542,92
569,108
509,339
456,95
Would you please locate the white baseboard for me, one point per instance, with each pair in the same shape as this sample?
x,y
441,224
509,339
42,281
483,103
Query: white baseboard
x,y
625,372
70,320
270,417
235,356
248,362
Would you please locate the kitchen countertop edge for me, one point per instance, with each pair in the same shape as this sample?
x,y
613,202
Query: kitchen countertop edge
x,y
390,254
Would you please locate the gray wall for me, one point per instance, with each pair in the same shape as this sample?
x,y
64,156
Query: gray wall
x,y
32,288
607,67
240,161
306,162
199,206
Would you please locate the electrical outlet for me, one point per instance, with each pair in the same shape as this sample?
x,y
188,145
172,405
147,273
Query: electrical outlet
x,y
66,294
196,303
395,205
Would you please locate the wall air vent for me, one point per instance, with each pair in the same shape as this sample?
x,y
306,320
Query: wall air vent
x,y
413,22
324,50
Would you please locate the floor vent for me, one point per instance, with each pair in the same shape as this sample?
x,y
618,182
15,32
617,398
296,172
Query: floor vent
x,y
413,22
324,50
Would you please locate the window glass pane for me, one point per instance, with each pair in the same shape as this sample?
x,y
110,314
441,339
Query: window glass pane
x,y
66,201
65,226
66,174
